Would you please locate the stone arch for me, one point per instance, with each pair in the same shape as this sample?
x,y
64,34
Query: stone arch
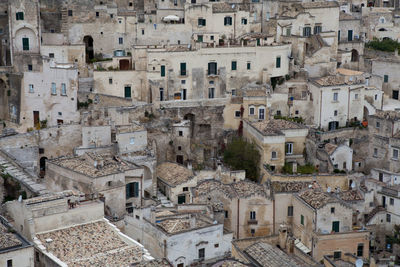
x,y
89,47
26,40
354,55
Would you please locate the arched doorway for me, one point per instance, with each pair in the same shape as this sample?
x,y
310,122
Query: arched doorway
x,y
88,40
43,166
354,55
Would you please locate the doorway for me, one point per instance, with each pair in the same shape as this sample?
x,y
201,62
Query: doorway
x,y
89,50
42,166
36,120
124,64
179,159
395,94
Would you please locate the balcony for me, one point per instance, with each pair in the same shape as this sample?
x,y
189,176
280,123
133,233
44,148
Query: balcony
x,y
252,222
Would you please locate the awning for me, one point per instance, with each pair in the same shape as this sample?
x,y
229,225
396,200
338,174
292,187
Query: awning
x,y
171,18
301,246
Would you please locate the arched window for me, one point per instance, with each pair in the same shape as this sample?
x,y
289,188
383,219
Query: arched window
x,y
354,55
274,155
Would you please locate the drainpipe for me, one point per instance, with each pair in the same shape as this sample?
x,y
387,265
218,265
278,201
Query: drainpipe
x,y
237,220
234,26
273,216
320,109
165,248
348,106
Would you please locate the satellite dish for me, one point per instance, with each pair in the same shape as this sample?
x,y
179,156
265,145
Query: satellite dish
x,y
233,6
359,263
329,189
353,185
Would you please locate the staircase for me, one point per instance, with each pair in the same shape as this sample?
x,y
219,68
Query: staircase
x,y
163,199
373,213
18,173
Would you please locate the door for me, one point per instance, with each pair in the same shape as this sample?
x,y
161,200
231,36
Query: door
x,y
179,159
333,125
384,201
335,226
128,92
124,64
350,35
182,199
395,94
184,94
36,120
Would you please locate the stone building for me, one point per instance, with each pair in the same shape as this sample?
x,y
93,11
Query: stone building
x,y
244,207
323,224
184,238
116,181
15,249
278,141
68,228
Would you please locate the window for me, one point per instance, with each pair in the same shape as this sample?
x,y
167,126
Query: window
x,y
335,113
185,189
290,211
202,253
317,29
385,78
128,91
335,96
273,155
261,113
252,215
234,65
20,15
301,219
25,44
51,55
132,190
59,113
350,35
248,65
244,21
161,94
179,148
307,31
180,133
63,89
337,255
376,97
356,96
395,153
226,214
212,68
69,13
120,40
333,210
211,92
31,88
132,140
289,148
181,199
380,177
278,62
30,67
142,31
53,89
110,80
227,21
375,152
9,263
97,14
360,250
233,92
251,111
183,69
200,38
388,218
201,22
216,245
237,114
212,37
252,231
378,124
183,81
162,71
288,31
391,201
335,226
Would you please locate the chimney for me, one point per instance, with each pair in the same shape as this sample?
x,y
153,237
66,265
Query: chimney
x,y
283,235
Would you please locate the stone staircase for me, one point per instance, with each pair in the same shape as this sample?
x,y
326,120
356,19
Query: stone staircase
x,y
86,85
163,199
64,21
373,213
19,174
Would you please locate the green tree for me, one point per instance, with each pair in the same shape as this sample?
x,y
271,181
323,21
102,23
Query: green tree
x,y
241,155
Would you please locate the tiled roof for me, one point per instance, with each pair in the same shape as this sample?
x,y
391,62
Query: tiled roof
x,y
330,148
346,16
229,263
7,238
320,4
266,255
292,186
335,80
316,199
88,245
153,263
177,225
94,165
274,127
173,173
241,189
223,7
351,195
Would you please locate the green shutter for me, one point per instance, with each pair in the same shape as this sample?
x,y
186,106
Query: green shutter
x,y
25,44
385,78
128,191
135,189
128,93
335,226
163,71
234,65
183,69
302,219
278,62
